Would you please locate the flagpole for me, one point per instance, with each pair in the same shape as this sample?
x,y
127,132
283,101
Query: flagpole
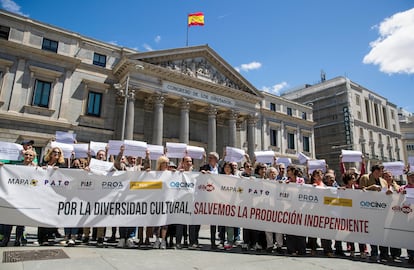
x,y
186,43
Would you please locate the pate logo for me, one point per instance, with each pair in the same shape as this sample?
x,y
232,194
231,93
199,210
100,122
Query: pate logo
x,y
207,187
56,183
112,185
284,196
22,182
405,209
374,205
333,201
134,185
308,198
86,184
181,185
232,189
259,192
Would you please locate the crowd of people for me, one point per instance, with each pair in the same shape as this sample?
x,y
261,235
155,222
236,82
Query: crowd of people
x,y
221,237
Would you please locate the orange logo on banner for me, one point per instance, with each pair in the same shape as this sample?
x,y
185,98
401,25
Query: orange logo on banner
x,y
145,185
337,201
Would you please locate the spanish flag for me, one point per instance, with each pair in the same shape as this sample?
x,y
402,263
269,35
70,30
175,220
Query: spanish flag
x,y
196,19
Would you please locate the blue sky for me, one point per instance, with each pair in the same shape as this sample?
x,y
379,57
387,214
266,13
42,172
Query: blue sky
x,y
276,45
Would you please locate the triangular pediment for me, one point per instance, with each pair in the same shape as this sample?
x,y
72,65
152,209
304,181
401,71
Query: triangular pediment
x,y
200,62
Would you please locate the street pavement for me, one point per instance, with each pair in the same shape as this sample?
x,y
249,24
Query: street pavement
x,y
92,258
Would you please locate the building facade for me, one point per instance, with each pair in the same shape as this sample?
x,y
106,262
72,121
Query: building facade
x,y
349,116
53,79
407,135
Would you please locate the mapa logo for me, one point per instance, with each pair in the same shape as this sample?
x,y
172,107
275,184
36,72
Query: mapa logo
x,y
22,182
232,189
207,187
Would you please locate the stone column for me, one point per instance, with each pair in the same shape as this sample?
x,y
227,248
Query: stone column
x,y
185,121
148,113
157,133
233,128
212,129
129,122
299,140
251,135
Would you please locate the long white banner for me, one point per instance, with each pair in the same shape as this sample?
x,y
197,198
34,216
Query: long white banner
x,y
75,198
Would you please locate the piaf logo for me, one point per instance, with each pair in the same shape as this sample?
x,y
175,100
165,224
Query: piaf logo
x,y
207,187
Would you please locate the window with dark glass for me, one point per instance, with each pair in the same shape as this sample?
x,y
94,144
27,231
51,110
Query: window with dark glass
x,y
49,45
289,111
291,141
94,104
273,137
99,60
41,93
306,146
273,107
4,32
304,116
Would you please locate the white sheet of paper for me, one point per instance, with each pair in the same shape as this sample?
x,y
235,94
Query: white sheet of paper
x,y
316,164
155,151
195,152
396,167
284,160
96,146
114,146
302,158
10,151
176,150
265,156
81,150
66,148
411,162
351,156
135,148
234,154
99,166
65,137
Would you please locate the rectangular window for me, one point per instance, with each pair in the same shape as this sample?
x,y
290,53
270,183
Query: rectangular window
x,y
99,59
289,111
94,104
273,137
384,113
50,45
42,93
4,32
368,111
304,116
306,146
291,141
357,99
376,112
392,114
272,107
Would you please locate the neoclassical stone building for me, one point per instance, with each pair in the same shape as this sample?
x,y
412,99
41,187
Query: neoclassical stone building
x,y
52,79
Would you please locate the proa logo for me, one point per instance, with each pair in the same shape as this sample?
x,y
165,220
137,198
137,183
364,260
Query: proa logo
x,y
231,189
406,209
259,192
112,185
56,183
22,182
207,187
308,198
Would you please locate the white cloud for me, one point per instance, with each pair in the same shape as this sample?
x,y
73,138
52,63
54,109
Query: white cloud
x,y
157,39
12,6
275,89
250,66
393,50
147,47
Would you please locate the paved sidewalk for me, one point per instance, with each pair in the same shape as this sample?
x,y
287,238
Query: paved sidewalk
x,y
91,258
